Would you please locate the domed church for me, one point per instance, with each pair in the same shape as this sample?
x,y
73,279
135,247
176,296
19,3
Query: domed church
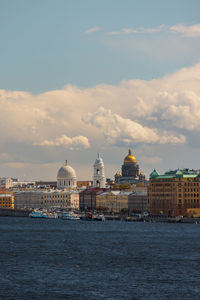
x,y
66,177
130,171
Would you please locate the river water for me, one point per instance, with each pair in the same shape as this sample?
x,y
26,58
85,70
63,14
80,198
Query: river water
x,y
60,259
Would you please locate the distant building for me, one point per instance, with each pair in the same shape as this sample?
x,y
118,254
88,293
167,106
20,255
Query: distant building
x,y
175,193
130,171
112,201
84,184
6,200
28,199
6,183
87,198
46,184
60,198
137,201
99,176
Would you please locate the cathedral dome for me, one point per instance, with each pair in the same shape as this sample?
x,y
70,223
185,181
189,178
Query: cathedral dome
x,y
130,158
66,177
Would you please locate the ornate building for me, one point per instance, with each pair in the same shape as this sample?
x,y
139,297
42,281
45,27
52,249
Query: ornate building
x,y
175,193
66,177
130,171
99,177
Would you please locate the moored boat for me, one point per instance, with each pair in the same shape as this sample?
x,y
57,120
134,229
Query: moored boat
x,y
51,215
36,214
70,215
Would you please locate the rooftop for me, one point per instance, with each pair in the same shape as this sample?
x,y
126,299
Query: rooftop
x,y
178,173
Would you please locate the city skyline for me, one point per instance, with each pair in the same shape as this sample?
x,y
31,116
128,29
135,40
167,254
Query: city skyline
x,y
81,78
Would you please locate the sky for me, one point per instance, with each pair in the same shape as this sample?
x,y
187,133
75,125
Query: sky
x,y
82,77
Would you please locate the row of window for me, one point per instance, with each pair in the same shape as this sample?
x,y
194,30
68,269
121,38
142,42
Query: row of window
x,y
54,201
191,195
55,196
190,190
191,183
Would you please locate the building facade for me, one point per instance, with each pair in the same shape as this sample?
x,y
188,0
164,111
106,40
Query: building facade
x,y
175,193
137,201
28,199
87,198
6,200
60,199
112,201
6,183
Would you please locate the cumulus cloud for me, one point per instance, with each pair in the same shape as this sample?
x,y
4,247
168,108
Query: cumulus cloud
x,y
93,29
74,143
121,130
159,111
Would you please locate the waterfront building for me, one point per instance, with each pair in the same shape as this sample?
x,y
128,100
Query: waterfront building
x,y
6,200
60,199
112,201
87,198
46,199
137,201
130,172
28,199
99,177
66,177
175,193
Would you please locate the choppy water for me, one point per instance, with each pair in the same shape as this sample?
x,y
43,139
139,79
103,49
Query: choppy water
x,y
59,259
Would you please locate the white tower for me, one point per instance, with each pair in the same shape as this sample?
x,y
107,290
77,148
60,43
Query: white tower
x,y
99,177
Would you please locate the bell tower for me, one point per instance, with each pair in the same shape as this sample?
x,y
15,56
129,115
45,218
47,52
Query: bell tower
x,y
99,177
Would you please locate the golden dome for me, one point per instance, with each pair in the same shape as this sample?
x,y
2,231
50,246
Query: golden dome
x,y
129,158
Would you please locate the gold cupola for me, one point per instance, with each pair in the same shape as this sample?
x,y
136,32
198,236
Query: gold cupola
x,y
129,158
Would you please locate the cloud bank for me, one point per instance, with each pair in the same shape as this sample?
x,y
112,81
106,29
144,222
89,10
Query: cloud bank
x,y
164,111
119,130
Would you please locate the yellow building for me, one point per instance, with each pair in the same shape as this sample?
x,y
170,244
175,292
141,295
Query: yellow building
x,y
112,201
6,200
175,193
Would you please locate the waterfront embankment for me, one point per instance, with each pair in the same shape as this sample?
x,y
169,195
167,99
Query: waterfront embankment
x,y
4,212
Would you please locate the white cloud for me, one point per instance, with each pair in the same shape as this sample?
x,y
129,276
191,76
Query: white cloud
x,y
188,31
125,131
93,29
139,30
74,143
158,112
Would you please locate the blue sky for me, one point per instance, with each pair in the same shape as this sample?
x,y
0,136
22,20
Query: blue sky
x,y
78,76
44,45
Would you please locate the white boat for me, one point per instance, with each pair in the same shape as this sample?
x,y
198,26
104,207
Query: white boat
x,y
36,214
70,215
51,215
